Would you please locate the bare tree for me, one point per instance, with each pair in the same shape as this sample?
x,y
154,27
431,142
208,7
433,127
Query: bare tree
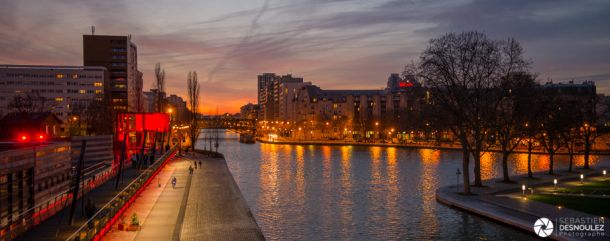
x,y
98,117
159,84
555,122
464,73
594,110
534,111
29,102
193,90
512,114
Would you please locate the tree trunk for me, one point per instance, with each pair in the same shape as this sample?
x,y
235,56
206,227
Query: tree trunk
x,y
477,166
466,169
571,159
551,155
529,159
505,165
587,152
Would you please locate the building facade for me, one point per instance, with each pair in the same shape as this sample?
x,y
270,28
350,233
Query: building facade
x,y
275,95
120,57
31,175
312,112
61,90
178,105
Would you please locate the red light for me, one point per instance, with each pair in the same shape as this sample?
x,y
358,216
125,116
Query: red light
x,y
405,84
23,138
41,137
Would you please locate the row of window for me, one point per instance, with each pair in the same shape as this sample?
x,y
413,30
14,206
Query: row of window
x,y
57,76
69,91
39,83
119,64
119,50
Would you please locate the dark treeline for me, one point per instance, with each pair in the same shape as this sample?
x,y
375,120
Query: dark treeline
x,y
484,92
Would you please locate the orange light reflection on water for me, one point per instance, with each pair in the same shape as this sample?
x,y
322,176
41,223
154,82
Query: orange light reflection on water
x,y
428,184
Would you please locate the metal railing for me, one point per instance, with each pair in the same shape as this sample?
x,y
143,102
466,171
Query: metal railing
x,y
46,209
102,221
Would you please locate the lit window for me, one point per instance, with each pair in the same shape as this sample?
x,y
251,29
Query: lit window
x,y
97,84
74,76
59,76
82,91
59,99
98,91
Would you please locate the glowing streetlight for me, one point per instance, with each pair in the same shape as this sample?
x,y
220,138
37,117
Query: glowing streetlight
x,y
376,123
170,110
604,172
555,183
523,189
582,177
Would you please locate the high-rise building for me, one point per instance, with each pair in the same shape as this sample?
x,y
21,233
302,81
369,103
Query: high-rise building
x,y
62,90
265,96
275,94
120,56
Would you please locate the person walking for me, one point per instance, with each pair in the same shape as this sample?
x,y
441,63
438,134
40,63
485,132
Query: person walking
x,y
174,182
199,163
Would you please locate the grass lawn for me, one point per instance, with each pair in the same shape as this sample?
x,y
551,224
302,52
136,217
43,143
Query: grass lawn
x,y
597,187
591,205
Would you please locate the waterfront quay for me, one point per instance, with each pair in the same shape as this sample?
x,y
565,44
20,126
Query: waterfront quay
x,y
204,205
516,205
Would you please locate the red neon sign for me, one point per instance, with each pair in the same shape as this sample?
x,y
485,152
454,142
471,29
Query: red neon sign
x,y
405,84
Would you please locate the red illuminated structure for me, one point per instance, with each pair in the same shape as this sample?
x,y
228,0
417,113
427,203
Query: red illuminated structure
x,y
30,127
136,125
405,84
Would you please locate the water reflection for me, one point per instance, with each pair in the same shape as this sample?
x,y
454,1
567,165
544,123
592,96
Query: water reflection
x,y
428,184
363,193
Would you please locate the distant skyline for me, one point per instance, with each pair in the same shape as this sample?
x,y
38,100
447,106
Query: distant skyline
x,y
337,44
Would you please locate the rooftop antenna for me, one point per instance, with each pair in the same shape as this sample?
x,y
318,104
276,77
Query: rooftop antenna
x,y
92,30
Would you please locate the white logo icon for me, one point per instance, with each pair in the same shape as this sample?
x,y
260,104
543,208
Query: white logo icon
x,y
543,227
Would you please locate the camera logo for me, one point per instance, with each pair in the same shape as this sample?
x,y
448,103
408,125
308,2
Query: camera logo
x,y
543,227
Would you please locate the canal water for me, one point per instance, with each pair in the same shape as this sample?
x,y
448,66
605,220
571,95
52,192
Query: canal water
x,y
309,192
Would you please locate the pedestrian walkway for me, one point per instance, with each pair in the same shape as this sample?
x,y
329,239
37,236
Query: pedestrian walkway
x,y
216,209
206,205
56,228
155,206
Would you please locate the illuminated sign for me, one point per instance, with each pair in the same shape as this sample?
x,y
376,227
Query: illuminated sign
x,y
405,84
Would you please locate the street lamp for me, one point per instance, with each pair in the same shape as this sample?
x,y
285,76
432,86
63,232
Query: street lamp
x,y
523,189
604,172
582,177
555,183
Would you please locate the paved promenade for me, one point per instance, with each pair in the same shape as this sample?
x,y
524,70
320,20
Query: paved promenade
x,y
497,201
157,206
204,206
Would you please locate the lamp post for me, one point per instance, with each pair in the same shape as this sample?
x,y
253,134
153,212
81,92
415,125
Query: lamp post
x,y
604,172
457,180
555,183
582,177
170,111
523,189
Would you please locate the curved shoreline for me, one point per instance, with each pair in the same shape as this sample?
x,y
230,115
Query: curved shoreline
x,y
486,203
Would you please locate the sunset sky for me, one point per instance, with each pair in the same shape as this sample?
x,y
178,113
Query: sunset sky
x,y
333,43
